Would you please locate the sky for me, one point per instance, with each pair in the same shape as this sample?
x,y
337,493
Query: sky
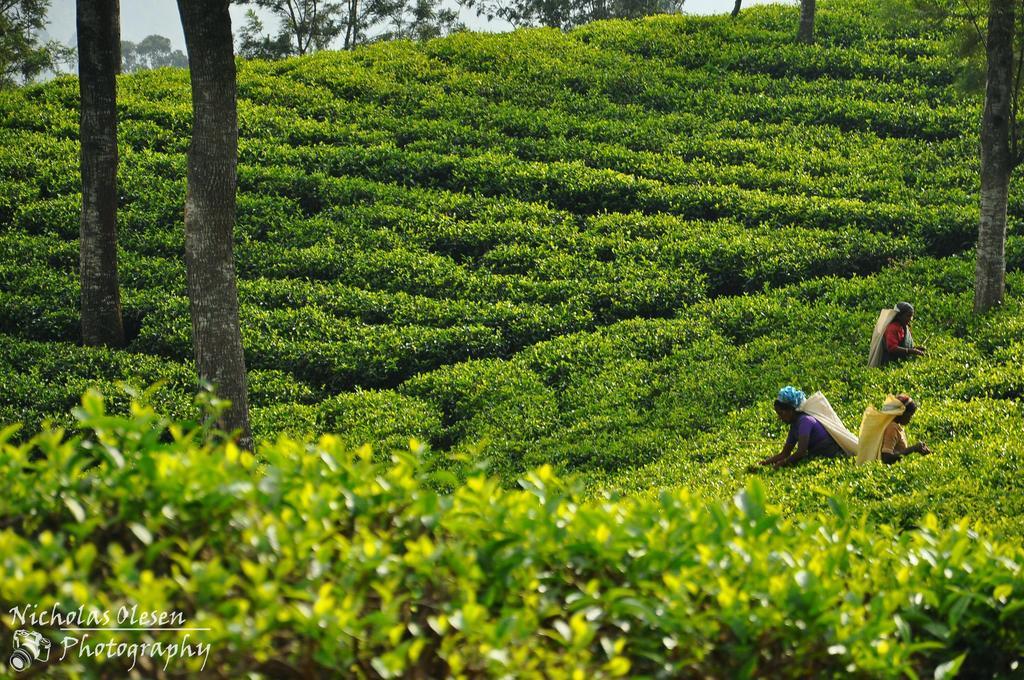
x,y
140,18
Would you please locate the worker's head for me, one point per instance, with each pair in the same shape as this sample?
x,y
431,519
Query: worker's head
x,y
904,312
785,412
788,401
909,409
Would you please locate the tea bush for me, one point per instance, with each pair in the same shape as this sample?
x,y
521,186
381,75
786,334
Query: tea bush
x,y
309,559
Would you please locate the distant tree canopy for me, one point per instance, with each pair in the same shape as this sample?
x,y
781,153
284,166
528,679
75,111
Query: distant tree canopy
x,y
418,20
255,43
22,55
566,14
306,26
153,51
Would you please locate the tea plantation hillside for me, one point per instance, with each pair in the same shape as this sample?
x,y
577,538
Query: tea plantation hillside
x,y
602,250
586,261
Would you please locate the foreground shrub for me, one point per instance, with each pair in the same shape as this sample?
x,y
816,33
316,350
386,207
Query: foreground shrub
x,y
309,560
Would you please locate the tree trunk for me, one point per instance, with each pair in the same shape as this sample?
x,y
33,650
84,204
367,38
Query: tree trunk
x,y
806,32
99,50
210,207
990,265
352,28
736,8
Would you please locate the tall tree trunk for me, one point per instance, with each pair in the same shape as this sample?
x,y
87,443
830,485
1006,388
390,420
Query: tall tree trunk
x,y
210,206
990,265
352,27
806,32
99,61
736,8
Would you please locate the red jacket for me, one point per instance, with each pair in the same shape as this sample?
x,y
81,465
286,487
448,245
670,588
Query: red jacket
x,y
894,335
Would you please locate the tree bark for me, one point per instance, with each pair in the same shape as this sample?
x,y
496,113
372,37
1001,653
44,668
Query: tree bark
x,y
736,8
99,50
352,25
996,163
210,207
806,32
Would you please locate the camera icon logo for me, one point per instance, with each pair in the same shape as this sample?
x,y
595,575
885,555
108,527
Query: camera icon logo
x,y
29,646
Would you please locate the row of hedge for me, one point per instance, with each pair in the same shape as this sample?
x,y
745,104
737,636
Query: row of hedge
x,y
876,164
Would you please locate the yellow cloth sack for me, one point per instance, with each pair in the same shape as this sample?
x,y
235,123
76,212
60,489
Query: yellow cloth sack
x,y
876,352
817,405
872,428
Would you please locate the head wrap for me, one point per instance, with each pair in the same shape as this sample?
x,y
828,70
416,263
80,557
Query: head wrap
x,y
791,396
909,405
904,307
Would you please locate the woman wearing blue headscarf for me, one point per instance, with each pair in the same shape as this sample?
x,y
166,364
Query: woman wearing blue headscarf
x,y
807,438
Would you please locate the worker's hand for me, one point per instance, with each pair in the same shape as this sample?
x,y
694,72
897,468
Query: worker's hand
x,y
918,351
923,449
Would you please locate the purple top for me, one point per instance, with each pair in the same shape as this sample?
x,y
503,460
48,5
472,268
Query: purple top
x,y
819,441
